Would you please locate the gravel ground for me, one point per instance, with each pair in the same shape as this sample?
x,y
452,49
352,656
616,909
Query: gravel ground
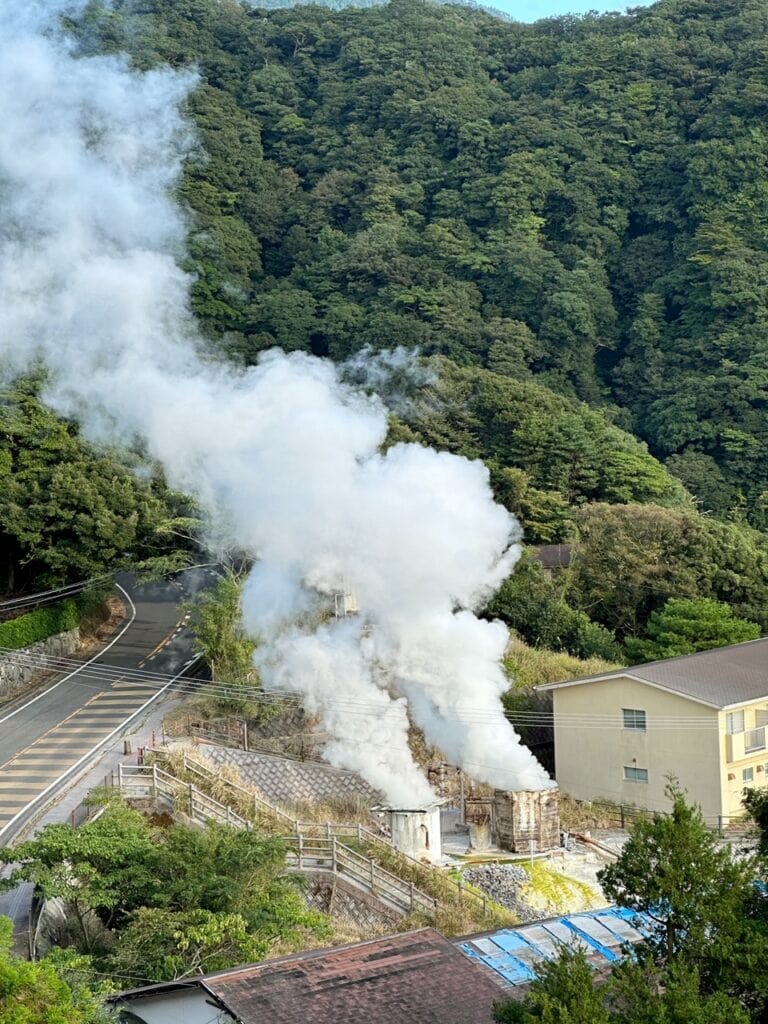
x,y
503,882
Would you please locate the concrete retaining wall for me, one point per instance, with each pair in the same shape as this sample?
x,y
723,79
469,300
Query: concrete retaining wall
x,y
19,668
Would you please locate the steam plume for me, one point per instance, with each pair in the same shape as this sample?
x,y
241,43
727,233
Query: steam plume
x,y
284,456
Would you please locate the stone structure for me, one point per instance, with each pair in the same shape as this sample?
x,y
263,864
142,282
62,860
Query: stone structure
x,y
19,668
287,782
416,833
527,821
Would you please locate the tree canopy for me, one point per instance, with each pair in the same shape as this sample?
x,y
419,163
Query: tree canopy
x,y
702,960
157,903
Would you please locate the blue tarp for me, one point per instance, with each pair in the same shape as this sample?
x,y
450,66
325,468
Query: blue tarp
x,y
514,953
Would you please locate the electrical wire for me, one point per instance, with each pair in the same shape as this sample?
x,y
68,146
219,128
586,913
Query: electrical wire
x,y
97,675
47,596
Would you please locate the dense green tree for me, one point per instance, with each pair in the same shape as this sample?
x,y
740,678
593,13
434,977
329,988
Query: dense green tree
x,y
141,896
581,199
629,560
69,511
563,993
674,870
535,608
48,991
687,625
703,960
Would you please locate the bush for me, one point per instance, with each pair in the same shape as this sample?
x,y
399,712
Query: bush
x,y
39,625
536,609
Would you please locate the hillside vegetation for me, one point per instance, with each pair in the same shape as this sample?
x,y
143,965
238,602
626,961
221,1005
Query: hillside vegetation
x,y
568,217
579,199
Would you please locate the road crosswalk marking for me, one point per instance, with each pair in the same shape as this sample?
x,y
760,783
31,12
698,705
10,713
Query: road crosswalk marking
x,y
29,773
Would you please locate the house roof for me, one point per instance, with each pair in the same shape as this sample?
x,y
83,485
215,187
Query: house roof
x,y
553,556
721,678
419,976
517,954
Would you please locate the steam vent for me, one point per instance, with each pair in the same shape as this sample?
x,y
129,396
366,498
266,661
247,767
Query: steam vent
x,y
527,821
416,833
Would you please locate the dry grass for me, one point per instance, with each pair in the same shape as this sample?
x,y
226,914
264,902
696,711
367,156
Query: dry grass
x,y
578,815
343,810
533,666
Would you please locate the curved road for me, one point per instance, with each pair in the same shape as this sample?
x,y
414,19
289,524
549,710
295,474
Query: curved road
x,y
50,737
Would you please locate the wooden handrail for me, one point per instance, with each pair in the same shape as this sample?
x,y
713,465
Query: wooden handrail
x,y
304,828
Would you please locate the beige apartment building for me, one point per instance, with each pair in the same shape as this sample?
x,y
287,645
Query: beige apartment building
x,y
701,718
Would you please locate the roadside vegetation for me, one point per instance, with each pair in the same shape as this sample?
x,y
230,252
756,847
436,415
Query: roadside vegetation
x,y
153,902
702,960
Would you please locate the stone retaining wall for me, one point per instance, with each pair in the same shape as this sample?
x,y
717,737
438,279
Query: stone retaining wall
x,y
344,901
288,782
19,668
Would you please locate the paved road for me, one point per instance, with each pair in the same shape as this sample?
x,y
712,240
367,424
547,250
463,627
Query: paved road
x,y
49,736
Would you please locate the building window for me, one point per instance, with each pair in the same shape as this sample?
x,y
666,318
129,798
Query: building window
x,y
632,774
634,719
747,774
734,722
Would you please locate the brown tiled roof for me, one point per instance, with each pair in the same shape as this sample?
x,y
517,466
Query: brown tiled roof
x,y
416,978
721,677
553,556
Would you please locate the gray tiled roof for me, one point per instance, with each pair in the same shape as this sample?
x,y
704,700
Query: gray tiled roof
x,y
722,677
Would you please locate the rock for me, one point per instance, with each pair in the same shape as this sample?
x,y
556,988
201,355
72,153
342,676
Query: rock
x,y
503,882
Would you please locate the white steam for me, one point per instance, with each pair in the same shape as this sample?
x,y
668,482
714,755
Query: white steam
x,y
284,456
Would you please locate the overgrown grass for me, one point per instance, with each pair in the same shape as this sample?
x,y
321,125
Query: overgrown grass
x,y
534,666
457,913
553,893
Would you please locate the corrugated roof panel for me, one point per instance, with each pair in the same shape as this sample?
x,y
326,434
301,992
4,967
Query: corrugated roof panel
x,y
542,940
515,942
596,935
620,927
508,966
516,953
566,936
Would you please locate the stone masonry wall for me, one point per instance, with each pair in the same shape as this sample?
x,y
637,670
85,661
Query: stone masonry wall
x,y
340,899
284,781
19,668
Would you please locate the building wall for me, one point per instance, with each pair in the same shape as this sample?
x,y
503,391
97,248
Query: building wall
x,y
590,756
736,757
179,1007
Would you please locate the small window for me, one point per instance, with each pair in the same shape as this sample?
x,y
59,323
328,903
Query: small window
x,y
747,774
634,719
632,774
734,722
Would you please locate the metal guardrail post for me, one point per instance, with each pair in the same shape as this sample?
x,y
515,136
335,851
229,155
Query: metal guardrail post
x,y
334,865
154,781
411,895
372,863
120,774
191,791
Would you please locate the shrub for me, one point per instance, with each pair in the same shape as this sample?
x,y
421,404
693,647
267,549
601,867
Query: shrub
x,y
39,625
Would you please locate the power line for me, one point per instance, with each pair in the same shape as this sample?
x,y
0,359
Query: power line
x,y
100,674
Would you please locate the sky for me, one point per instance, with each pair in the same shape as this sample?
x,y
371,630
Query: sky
x,y
531,10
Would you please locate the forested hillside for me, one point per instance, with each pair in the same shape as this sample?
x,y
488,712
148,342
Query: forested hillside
x,y
583,200
569,216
